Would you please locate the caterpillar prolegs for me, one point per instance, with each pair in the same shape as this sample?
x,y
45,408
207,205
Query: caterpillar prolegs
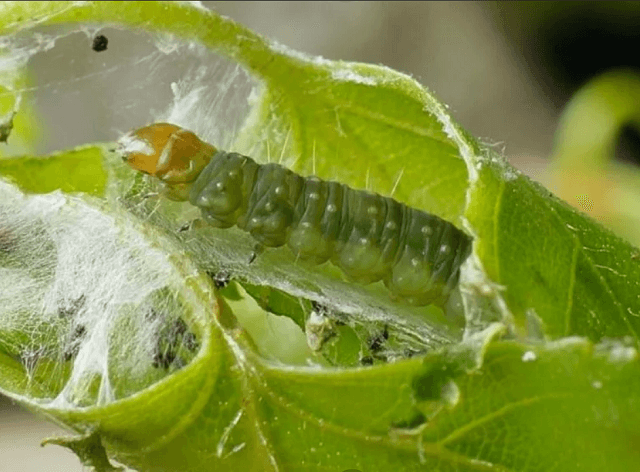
x,y
368,236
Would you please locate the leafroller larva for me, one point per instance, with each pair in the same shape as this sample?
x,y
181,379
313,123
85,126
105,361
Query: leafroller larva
x,y
368,236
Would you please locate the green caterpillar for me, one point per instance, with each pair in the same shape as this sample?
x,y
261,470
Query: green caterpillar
x,y
369,237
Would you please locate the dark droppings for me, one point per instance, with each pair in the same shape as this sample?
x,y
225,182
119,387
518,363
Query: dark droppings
x,y
100,43
164,358
74,343
8,241
170,339
320,308
190,342
366,360
6,128
377,342
71,309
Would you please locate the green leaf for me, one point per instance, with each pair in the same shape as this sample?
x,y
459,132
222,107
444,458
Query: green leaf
x,y
367,126
18,131
89,450
279,303
467,407
78,170
356,114
571,400
567,405
148,336
346,112
555,264
536,399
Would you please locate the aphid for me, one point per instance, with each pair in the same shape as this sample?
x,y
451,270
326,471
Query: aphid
x,y
368,236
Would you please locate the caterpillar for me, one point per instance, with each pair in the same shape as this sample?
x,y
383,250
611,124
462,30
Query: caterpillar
x,y
368,236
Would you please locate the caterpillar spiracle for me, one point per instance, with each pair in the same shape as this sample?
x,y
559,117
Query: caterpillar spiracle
x,y
368,236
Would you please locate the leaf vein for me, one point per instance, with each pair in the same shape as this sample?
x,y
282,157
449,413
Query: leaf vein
x,y
572,283
460,432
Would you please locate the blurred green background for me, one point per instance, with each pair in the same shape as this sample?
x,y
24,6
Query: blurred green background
x,y
507,71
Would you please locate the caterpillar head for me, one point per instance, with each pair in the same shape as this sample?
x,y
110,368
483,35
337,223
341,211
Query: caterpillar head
x,y
174,155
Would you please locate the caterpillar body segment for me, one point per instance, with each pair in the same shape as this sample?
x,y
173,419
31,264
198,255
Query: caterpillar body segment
x,y
369,237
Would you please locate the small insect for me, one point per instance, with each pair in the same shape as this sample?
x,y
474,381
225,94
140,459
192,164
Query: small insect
x,y
100,43
377,342
74,342
220,279
319,327
368,236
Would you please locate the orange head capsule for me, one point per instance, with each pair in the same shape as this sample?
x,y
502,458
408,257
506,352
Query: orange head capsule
x,y
174,155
